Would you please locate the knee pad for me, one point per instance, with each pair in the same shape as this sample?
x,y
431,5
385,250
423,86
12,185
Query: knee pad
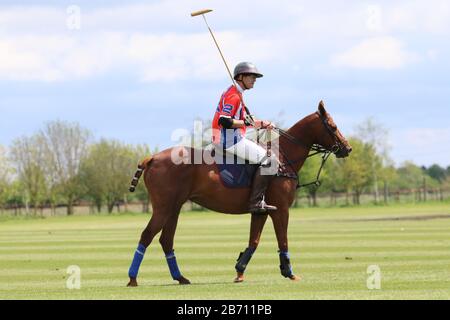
x,y
269,165
268,161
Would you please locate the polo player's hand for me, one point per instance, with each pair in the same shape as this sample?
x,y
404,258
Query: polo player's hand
x,y
263,124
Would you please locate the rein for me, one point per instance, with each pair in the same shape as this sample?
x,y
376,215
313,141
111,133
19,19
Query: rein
x,y
317,182
318,149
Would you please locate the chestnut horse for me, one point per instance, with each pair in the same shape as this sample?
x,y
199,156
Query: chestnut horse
x,y
170,185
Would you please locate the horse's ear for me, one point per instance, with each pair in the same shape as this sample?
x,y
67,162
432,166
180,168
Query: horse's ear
x,y
322,110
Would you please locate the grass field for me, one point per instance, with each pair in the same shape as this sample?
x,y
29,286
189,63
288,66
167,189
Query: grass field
x,y
330,248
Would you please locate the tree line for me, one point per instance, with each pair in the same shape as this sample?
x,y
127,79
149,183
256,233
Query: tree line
x,y
369,169
62,164
364,172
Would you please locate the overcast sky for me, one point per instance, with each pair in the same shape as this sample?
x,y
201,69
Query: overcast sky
x,y
138,70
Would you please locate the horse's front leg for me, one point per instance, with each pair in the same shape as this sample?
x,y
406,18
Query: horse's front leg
x,y
256,227
280,219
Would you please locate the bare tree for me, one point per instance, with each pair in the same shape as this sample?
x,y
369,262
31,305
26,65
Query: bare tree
x,y
27,153
66,144
375,134
4,168
5,176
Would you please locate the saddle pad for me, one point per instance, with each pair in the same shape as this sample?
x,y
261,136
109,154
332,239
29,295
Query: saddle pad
x,y
232,173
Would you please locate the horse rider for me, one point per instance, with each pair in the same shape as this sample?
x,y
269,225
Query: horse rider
x,y
229,127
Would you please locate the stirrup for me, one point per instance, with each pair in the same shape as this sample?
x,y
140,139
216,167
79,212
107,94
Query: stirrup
x,y
262,208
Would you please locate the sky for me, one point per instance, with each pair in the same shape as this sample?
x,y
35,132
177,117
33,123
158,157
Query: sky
x,y
136,71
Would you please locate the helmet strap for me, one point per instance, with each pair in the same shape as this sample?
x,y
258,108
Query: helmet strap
x,y
240,80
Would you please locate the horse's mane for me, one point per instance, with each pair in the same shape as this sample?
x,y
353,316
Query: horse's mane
x,y
302,123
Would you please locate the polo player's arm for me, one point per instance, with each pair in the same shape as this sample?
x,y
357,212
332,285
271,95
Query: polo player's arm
x,y
259,124
229,110
230,123
238,123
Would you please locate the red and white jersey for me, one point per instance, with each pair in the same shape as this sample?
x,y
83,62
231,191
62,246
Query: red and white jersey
x,y
230,106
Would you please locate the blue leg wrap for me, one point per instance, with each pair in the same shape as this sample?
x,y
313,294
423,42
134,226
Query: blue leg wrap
x,y
138,256
244,259
173,266
285,264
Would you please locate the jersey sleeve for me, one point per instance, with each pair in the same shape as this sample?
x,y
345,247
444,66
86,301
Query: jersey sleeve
x,y
230,105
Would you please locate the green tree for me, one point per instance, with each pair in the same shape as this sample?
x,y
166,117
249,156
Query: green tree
x,y
65,145
333,180
410,176
142,152
414,178
28,155
445,186
5,177
91,178
14,197
356,170
308,174
388,175
437,172
106,172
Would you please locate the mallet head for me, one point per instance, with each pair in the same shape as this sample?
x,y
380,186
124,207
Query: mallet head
x,y
197,13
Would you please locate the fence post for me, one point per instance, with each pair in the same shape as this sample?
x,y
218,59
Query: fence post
x,y
424,189
385,192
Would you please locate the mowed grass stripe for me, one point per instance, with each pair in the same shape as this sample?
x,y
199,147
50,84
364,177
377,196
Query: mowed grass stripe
x,y
417,262
304,231
226,265
306,251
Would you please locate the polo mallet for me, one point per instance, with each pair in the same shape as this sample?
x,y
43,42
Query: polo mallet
x,y
202,13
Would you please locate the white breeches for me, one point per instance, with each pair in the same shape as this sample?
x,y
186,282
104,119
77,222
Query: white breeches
x,y
255,154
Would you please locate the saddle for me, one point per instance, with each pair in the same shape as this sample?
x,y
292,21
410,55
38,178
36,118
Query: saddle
x,y
235,173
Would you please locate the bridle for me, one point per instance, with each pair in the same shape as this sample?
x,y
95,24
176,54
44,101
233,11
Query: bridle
x,y
338,145
316,148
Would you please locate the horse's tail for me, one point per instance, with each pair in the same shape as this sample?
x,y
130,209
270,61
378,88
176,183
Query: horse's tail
x,y
138,173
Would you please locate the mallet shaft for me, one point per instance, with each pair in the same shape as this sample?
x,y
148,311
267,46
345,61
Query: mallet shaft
x,y
220,51
202,13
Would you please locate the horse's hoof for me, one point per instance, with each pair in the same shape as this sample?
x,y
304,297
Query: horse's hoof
x,y
295,278
132,283
239,278
183,280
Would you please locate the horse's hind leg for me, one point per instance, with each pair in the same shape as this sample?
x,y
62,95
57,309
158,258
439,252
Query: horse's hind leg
x,y
166,240
157,222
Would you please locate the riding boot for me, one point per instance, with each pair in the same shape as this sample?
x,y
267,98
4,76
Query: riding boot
x,y
259,186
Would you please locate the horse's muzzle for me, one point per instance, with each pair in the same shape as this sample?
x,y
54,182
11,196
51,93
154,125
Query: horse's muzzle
x,y
344,152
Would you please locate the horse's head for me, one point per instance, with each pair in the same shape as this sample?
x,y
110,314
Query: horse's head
x,y
328,134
